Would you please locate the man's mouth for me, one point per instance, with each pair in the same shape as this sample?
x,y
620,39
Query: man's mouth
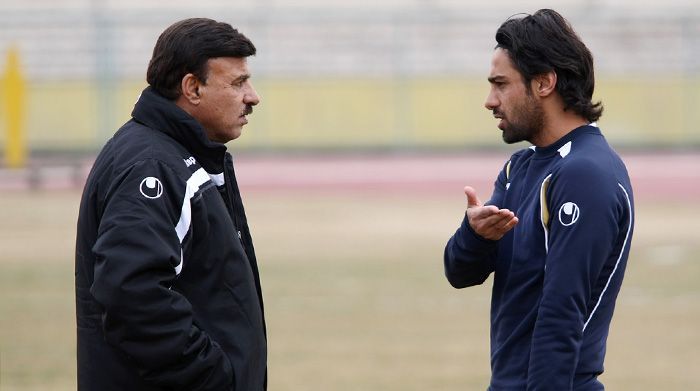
x,y
499,115
248,110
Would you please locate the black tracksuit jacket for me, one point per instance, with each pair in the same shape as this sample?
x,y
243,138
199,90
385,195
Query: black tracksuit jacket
x,y
167,288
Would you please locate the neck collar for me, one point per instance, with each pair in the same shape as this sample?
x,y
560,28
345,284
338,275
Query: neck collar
x,y
558,145
161,114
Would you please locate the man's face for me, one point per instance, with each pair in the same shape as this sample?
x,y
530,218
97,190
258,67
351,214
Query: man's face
x,y
226,98
511,101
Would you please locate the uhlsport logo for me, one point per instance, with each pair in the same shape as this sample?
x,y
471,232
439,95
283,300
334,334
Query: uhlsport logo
x,y
568,214
151,187
189,161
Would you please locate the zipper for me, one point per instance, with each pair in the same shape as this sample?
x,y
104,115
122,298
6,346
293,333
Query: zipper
x,y
229,198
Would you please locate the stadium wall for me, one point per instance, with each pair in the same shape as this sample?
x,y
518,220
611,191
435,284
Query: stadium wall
x,y
339,75
340,113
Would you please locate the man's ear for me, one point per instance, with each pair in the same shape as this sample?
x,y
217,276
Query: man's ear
x,y
190,88
545,84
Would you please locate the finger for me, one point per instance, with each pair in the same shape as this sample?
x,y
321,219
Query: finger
x,y
506,213
495,226
510,224
472,199
481,213
497,221
494,215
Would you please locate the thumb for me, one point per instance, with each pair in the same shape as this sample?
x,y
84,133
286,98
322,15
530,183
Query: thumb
x,y
472,199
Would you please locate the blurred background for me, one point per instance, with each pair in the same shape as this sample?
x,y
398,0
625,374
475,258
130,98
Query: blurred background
x,y
352,170
394,74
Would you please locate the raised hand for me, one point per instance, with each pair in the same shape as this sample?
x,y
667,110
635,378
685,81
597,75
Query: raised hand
x,y
488,221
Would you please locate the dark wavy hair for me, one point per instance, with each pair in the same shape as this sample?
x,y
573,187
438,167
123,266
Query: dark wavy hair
x,y
545,42
185,47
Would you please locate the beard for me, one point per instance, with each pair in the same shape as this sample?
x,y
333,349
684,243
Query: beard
x,y
525,122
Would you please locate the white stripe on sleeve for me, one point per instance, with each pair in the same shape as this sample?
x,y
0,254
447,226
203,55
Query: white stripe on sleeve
x,y
197,179
617,263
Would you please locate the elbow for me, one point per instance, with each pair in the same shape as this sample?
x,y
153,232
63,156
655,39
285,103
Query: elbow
x,y
457,283
464,281
464,274
456,280
463,268
462,277
461,273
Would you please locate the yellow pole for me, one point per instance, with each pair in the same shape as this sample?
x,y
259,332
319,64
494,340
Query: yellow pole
x,y
13,98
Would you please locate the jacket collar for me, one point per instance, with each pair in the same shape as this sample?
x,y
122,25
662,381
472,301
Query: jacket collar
x,y
553,149
161,114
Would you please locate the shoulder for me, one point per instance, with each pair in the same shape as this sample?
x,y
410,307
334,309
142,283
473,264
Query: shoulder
x,y
140,140
591,160
137,153
583,171
593,172
135,144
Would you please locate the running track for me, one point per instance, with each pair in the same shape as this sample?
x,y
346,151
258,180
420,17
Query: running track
x,y
655,176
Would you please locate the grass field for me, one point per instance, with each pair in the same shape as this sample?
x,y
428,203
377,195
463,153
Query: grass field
x,y
355,294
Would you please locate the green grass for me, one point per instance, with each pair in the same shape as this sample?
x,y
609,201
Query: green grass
x,y
355,295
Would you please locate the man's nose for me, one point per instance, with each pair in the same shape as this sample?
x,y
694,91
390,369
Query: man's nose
x,y
251,97
491,102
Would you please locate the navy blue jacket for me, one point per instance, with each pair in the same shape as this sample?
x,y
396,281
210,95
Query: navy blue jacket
x,y
167,289
558,272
